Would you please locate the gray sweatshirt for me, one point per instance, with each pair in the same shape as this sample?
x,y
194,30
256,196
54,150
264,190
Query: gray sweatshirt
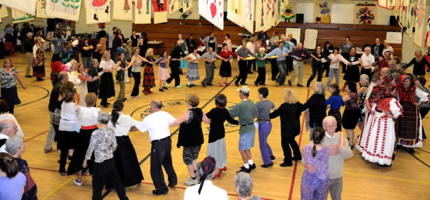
x,y
335,163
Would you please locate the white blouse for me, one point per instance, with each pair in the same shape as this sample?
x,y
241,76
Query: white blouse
x,y
335,60
123,125
107,65
87,116
69,118
367,61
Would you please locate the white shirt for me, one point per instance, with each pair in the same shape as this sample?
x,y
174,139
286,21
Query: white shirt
x,y
422,95
69,118
107,65
367,61
157,124
335,60
123,125
194,58
87,116
4,116
3,147
209,192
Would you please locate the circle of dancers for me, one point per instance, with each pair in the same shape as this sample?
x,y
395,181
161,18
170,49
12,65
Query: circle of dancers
x,y
379,97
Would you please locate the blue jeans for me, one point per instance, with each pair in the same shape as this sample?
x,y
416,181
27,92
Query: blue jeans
x,y
86,61
333,72
282,68
264,129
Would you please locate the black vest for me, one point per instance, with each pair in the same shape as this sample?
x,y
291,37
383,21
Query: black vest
x,y
190,132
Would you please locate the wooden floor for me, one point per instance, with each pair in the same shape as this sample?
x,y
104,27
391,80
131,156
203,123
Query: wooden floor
x,y
408,178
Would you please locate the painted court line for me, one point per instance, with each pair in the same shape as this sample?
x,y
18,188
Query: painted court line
x,y
293,177
35,136
56,189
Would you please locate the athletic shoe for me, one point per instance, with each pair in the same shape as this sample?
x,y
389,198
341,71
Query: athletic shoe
x,y
253,166
190,182
243,169
178,86
77,182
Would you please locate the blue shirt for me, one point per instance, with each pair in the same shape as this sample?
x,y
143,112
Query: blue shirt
x,y
278,51
335,102
12,188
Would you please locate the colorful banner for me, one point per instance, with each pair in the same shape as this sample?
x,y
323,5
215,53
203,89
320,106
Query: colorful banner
x,y
26,6
97,11
264,11
248,17
235,11
41,9
213,11
63,9
159,8
174,6
18,16
322,11
421,23
365,13
122,10
142,12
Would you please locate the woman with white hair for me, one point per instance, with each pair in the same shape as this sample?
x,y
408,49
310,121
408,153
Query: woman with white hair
x,y
244,186
205,189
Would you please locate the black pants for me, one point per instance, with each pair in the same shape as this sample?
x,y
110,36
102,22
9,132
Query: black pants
x,y
326,68
136,77
174,74
261,78
66,141
316,70
161,156
243,72
288,142
11,108
106,173
274,69
251,66
289,62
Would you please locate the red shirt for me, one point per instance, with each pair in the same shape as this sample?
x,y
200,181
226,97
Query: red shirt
x,y
56,67
227,54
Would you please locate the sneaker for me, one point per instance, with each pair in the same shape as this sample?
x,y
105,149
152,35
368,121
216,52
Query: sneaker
x,y
190,182
167,85
77,182
178,86
243,169
253,166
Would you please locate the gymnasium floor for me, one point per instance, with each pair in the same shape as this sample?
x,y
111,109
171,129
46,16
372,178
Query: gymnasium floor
x,y
408,178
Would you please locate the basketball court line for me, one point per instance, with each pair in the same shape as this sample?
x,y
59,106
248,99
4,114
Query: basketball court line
x,y
34,101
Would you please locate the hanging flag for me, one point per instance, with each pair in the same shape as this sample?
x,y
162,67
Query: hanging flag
x,y
174,5
122,10
159,8
186,5
263,14
63,9
235,11
97,11
213,11
142,12
26,6
248,17
41,9
18,16
3,12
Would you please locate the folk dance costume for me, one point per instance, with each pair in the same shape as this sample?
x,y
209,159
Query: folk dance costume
x,y
378,138
148,76
409,125
125,156
87,117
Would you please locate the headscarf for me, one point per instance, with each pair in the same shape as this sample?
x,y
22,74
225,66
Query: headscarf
x,y
406,94
382,90
205,168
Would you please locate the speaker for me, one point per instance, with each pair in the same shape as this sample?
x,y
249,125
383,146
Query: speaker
x,y
300,18
393,21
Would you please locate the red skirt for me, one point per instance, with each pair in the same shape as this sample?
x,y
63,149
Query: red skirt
x,y
148,77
